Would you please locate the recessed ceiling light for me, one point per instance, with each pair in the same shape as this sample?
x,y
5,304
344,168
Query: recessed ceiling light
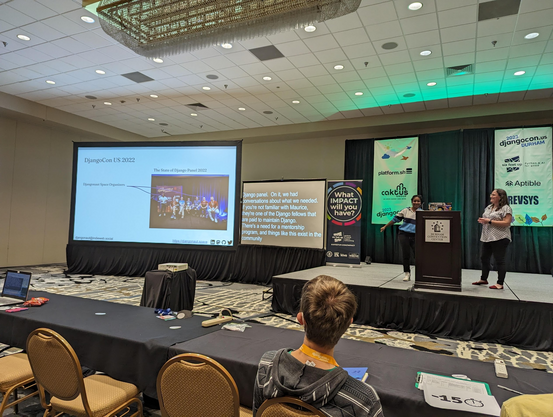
x,y
107,103
520,73
431,84
87,19
415,6
310,28
242,108
359,93
295,102
206,88
158,60
151,119
338,67
532,35
101,72
226,45
154,95
50,82
267,78
193,114
425,53
24,37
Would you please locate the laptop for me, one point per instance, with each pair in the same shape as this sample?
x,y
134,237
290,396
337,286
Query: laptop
x,y
16,288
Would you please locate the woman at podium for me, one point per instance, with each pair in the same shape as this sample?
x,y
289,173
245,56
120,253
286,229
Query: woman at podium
x,y
496,236
406,234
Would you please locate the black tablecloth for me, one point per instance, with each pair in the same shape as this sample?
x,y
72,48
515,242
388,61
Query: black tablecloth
x,y
128,342
392,370
165,289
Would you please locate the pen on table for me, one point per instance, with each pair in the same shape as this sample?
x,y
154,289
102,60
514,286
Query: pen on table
x,y
510,389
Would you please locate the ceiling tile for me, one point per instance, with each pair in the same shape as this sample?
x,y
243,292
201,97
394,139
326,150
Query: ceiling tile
x,y
459,16
418,24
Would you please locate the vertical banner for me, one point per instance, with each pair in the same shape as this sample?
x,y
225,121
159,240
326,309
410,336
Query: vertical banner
x,y
343,215
523,169
396,167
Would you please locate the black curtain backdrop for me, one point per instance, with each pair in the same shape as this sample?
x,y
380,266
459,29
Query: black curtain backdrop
x,y
248,263
454,167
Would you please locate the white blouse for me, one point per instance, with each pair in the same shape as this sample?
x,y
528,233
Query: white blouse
x,y
492,233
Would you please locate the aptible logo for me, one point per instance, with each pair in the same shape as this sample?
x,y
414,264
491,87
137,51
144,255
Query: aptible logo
x,y
400,191
528,183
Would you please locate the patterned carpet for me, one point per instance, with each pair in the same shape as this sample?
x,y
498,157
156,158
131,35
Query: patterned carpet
x,y
246,303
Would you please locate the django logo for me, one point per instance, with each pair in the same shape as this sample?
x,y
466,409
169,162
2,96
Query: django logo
x,y
400,191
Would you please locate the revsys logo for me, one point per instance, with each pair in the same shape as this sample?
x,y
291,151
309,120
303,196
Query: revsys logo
x,y
527,200
528,183
400,191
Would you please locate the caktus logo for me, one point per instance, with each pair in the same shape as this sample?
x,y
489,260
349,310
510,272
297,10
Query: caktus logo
x,y
400,191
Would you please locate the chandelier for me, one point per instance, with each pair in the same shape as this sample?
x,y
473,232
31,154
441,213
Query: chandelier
x,y
156,28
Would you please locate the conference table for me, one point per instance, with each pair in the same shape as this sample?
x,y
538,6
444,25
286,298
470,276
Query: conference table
x,y
129,343
392,371
126,342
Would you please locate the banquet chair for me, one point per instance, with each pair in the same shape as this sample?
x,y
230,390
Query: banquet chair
x,y
15,373
193,385
280,407
57,371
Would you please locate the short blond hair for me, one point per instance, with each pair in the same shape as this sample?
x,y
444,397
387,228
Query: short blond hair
x,y
328,306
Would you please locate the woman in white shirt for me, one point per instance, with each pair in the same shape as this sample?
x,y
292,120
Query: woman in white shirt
x,y
496,236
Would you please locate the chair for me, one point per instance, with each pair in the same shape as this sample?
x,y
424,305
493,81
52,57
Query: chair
x,y
279,407
15,372
193,385
57,370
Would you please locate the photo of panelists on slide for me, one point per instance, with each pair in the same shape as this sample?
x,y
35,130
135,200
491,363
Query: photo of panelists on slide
x,y
189,202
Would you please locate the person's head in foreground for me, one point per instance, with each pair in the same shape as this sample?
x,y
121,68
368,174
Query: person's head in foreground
x,y
326,310
310,371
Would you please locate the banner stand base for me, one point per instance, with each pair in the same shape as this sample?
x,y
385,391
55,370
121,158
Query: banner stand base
x,y
346,265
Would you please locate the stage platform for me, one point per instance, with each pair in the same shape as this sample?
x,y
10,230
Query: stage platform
x,y
519,315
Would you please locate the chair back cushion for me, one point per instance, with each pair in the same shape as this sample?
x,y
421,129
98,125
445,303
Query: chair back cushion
x,y
54,364
280,407
197,389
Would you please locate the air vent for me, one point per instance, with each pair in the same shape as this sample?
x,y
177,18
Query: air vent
x,y
459,70
498,8
137,77
197,106
266,53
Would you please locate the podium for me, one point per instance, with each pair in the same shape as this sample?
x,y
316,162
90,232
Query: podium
x,y
438,250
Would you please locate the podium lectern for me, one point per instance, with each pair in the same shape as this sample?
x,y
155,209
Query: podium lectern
x,y
438,250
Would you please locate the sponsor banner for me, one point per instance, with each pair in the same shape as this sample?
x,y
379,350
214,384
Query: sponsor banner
x,y
396,167
523,169
343,215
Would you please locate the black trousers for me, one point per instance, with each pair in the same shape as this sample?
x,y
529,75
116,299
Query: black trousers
x,y
407,243
498,249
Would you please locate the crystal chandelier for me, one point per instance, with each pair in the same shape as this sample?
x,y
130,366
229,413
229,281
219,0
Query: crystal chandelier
x,y
155,28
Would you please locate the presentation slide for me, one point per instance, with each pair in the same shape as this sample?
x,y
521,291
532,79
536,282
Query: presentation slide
x,y
284,213
166,193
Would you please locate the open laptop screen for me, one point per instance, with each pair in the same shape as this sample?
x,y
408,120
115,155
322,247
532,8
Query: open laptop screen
x,y
16,284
